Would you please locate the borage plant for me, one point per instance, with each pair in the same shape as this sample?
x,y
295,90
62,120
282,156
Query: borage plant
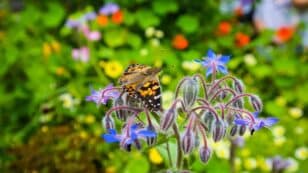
x,y
210,110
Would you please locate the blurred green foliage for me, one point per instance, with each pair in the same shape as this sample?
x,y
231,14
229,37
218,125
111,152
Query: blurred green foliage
x,y
47,126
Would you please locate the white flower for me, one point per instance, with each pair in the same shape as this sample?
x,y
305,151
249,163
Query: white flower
x,y
278,131
301,153
296,112
149,32
250,60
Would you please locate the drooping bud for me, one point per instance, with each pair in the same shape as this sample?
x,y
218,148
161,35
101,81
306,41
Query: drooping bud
x,y
168,119
239,103
126,144
190,91
219,130
108,122
238,86
121,114
205,154
188,141
208,119
222,95
256,103
151,140
242,130
233,130
137,144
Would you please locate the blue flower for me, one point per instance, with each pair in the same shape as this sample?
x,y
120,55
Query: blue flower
x,y
99,98
214,63
257,123
109,8
130,135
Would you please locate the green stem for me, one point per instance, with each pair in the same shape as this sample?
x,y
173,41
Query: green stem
x,y
179,151
169,154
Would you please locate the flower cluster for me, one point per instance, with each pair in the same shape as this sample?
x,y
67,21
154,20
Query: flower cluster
x,y
83,23
212,108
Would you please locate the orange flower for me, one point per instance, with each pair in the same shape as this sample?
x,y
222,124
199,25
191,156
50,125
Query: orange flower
x,y
180,42
284,34
102,20
241,39
224,28
238,11
117,17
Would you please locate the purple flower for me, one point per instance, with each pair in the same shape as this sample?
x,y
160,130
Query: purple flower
x,y
72,23
109,8
98,98
91,15
214,63
257,123
81,54
90,35
130,135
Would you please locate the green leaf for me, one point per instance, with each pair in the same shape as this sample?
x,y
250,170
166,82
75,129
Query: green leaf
x,y
138,164
146,18
134,40
163,7
188,23
115,38
54,15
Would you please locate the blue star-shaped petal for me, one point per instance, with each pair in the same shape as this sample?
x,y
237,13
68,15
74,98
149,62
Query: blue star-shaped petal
x,y
214,62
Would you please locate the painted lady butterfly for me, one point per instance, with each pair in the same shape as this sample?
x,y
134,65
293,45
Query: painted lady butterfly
x,y
141,82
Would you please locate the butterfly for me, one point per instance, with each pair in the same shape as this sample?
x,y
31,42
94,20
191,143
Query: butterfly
x,y
141,82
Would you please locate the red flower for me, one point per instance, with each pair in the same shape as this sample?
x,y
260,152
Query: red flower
x,y
241,39
180,42
117,17
224,28
284,34
102,20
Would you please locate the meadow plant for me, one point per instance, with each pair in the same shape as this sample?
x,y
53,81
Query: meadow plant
x,y
213,107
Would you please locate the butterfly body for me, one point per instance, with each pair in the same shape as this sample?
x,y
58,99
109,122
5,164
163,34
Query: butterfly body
x,y
141,82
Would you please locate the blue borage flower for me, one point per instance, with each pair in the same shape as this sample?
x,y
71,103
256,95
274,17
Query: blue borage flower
x,y
103,95
257,123
130,135
214,63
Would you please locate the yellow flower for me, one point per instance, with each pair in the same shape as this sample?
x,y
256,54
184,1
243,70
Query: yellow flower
x,y
60,71
278,141
165,79
45,129
84,134
296,112
301,153
281,101
250,163
238,163
112,69
190,66
56,46
89,119
245,152
46,50
110,169
278,131
155,156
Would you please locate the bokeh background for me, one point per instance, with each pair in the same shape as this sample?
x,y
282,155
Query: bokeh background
x,y
53,52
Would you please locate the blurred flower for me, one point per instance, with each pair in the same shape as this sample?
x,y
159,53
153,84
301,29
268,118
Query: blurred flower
x,y
296,112
241,39
112,69
284,34
279,164
224,28
214,63
73,23
165,79
281,101
89,119
190,66
109,8
131,134
91,15
149,32
90,35
180,42
98,98
117,17
299,130
83,134
167,98
301,153
155,42
279,141
250,163
60,71
221,149
245,152
81,54
293,167
263,164
238,163
56,46
46,50
44,129
110,169
278,131
257,123
68,100
159,33
250,60
155,156
102,20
